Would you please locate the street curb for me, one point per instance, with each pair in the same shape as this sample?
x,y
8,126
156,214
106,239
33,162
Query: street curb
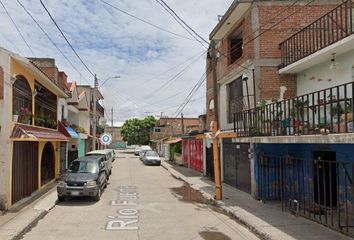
x,y
35,215
29,226
242,219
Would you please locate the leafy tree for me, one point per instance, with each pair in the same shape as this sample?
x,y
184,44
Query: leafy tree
x,y
137,131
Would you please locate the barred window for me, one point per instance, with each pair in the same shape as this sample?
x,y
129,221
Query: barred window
x,y
235,101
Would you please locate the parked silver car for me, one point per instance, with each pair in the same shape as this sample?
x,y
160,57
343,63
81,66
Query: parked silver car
x,y
151,158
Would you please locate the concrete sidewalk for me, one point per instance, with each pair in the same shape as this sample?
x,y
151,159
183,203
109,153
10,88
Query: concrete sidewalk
x,y
14,224
265,220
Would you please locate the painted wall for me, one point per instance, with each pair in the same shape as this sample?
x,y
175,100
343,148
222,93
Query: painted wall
x,y
84,120
62,102
5,123
322,76
304,152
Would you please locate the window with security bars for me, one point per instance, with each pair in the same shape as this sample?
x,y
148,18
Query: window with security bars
x,y
22,101
235,98
45,107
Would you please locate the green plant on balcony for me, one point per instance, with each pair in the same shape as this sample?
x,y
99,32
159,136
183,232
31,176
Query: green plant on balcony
x,y
25,116
347,113
298,114
78,129
40,119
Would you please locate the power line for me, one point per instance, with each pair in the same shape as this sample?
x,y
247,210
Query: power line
x,y
18,30
168,70
55,23
144,21
175,77
181,24
191,93
189,99
271,27
174,13
51,40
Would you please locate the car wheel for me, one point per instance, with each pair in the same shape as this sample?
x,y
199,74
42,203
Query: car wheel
x,y
98,195
61,198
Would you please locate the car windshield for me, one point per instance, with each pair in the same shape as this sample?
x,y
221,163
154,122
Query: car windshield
x,y
151,154
83,167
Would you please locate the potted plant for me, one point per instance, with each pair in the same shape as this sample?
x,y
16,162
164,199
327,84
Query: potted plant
x,y
40,119
15,116
298,114
25,115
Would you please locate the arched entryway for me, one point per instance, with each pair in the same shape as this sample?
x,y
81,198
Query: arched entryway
x,y
47,164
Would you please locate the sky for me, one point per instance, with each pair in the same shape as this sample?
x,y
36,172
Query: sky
x,y
156,68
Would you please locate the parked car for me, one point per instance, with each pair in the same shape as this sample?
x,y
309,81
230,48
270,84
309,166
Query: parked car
x,y
114,155
142,151
151,158
136,151
86,176
109,158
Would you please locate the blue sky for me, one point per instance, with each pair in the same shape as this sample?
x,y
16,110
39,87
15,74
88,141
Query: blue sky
x,y
112,43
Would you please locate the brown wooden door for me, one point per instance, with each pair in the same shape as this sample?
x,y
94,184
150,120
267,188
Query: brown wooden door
x,y
24,170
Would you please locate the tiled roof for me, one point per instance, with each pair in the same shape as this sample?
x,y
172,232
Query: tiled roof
x,y
22,131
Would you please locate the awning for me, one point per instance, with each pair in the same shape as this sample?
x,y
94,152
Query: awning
x,y
67,131
173,141
28,133
72,132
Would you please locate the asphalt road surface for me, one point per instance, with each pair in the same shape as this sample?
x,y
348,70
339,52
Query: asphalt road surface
x,y
142,203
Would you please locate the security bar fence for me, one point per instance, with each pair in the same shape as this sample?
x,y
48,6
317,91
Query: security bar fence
x,y
317,189
321,112
328,29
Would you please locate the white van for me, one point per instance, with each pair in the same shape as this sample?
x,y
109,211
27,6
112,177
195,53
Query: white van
x,y
109,155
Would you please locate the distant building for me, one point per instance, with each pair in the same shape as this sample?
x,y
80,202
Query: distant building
x,y
117,138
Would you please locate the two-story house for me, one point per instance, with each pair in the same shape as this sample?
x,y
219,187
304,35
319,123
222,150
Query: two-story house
x,y
29,136
87,92
287,94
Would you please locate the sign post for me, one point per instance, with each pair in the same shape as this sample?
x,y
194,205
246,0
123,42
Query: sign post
x,y
106,139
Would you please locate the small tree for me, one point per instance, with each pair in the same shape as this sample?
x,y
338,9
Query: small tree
x,y
137,131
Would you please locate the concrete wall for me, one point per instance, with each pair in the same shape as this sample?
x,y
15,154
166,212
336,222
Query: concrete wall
x,y
5,130
62,102
322,76
84,120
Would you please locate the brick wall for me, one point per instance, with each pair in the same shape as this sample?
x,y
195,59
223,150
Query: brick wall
x,y
268,81
271,82
47,66
270,40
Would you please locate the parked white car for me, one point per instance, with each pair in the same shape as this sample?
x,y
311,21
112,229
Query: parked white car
x,y
143,149
136,151
109,155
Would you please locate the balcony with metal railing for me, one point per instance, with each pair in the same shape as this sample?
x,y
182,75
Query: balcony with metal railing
x,y
323,112
329,29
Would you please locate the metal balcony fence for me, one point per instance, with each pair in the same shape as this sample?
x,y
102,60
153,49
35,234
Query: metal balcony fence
x,y
328,29
319,189
322,112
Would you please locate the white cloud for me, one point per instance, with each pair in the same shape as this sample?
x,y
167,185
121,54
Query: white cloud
x,y
112,43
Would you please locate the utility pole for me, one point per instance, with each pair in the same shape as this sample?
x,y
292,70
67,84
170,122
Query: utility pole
x,y
182,119
217,176
112,117
94,114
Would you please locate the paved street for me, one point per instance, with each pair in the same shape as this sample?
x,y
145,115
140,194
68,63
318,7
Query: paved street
x,y
165,209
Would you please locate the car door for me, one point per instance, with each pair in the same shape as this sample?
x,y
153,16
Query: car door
x,y
102,174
